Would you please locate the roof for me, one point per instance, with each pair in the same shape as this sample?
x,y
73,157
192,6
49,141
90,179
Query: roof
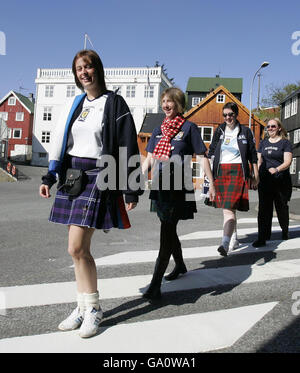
x,y
234,85
151,121
25,101
295,93
232,98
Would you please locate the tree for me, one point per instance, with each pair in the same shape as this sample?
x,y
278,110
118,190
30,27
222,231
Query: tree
x,y
276,94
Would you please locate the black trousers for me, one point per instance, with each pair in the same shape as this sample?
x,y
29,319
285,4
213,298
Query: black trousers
x,y
272,191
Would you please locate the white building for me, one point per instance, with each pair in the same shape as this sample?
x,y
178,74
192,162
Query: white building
x,y
140,87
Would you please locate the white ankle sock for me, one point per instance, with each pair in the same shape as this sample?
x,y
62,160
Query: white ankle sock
x,y
225,241
81,302
92,300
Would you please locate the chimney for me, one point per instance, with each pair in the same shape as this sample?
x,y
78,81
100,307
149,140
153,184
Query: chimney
x,y
31,98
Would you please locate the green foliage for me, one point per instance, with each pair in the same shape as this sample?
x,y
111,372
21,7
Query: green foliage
x,y
276,94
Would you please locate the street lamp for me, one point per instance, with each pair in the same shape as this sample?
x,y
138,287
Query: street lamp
x,y
264,64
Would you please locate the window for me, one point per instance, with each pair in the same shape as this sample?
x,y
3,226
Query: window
x,y
287,109
206,133
49,90
45,137
47,115
42,155
296,136
130,91
149,91
12,101
19,117
196,170
195,101
17,133
220,99
115,87
294,104
293,166
4,115
70,90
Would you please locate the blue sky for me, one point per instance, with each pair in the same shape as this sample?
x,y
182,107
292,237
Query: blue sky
x,y
192,38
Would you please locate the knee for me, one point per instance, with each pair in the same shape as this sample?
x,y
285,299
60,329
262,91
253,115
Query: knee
x,y
75,251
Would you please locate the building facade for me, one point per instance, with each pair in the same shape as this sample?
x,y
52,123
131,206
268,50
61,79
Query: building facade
x,y
290,118
17,111
140,87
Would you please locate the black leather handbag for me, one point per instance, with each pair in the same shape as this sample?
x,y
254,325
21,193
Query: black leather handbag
x,y
74,182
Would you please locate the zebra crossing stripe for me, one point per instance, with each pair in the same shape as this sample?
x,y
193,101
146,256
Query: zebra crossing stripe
x,y
132,286
219,233
192,333
132,257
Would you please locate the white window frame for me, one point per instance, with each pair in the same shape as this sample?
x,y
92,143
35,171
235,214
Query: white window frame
x,y
45,139
70,91
19,116
294,105
13,133
4,115
287,109
12,101
149,91
130,91
220,99
293,166
195,101
296,136
201,128
47,114
115,87
49,90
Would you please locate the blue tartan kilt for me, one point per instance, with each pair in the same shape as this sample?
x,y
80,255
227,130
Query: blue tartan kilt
x,y
87,209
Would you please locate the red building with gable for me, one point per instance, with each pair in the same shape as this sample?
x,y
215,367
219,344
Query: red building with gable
x,y
17,111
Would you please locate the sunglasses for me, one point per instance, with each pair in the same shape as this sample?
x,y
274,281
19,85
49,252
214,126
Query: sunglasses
x,y
228,114
273,126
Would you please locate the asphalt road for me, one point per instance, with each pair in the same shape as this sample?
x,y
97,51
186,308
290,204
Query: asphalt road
x,y
34,252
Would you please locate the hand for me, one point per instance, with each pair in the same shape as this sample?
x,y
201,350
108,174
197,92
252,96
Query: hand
x,y
272,170
44,191
253,183
130,206
212,192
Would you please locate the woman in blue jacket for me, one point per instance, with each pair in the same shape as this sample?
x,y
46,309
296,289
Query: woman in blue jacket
x,y
232,149
92,127
170,150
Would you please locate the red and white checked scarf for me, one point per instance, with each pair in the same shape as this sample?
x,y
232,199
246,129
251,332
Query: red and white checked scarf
x,y
169,129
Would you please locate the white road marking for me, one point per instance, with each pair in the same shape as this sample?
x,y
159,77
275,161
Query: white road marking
x,y
132,257
132,286
194,333
219,233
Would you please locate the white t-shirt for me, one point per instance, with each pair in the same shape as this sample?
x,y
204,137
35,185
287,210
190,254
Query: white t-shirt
x,y
85,135
230,152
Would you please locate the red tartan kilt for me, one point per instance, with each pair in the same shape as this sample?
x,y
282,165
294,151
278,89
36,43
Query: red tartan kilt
x,y
231,188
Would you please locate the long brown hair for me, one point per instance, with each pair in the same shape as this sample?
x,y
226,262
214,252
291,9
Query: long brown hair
x,y
93,58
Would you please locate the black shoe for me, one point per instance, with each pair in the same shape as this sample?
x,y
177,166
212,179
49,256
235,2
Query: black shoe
x,y
259,243
152,294
285,236
222,250
178,270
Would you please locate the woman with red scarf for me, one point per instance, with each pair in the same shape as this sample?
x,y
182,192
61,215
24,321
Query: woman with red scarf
x,y
170,150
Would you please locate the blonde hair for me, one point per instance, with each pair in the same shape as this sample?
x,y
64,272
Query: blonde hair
x,y
283,132
177,96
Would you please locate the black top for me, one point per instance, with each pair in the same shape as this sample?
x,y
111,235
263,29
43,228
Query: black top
x,y
273,153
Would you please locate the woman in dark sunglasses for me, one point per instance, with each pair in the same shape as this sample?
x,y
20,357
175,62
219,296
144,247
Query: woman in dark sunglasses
x,y
233,149
275,186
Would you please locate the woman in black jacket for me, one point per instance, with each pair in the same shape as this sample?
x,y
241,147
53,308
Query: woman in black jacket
x,y
232,149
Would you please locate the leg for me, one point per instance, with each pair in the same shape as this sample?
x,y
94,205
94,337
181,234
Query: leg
x,y
165,251
180,267
265,214
282,210
228,228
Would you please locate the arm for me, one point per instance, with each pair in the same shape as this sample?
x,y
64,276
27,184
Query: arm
x,y
148,163
287,160
205,164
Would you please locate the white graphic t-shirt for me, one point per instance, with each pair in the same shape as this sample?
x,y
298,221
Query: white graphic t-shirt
x,y
230,152
85,135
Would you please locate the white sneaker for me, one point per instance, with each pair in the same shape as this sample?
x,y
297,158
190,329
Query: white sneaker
x,y
91,322
234,244
73,321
